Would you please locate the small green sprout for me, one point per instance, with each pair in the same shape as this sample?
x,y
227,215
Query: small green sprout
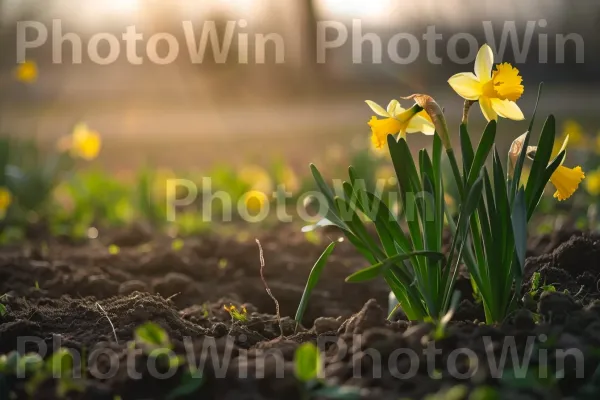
x,y
307,363
156,344
223,263
177,244
3,309
152,336
308,366
191,381
240,315
537,287
59,365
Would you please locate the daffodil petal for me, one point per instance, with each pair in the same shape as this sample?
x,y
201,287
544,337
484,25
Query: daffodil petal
x,y
466,85
392,106
377,109
487,110
507,109
566,180
397,110
420,124
484,63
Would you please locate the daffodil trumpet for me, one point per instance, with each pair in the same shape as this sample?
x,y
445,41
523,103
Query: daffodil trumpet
x,y
565,180
497,90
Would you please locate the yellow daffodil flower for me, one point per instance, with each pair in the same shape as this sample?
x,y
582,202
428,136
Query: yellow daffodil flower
x,y
397,120
27,72
83,142
496,90
5,201
592,181
255,200
565,180
256,177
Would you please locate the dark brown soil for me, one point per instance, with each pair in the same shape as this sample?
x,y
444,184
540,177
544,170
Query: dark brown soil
x,y
73,296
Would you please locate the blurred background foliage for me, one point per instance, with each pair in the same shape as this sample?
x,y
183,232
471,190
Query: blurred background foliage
x,y
255,126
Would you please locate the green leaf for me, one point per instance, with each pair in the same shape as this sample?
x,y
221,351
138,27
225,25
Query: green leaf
x,y
190,383
329,197
313,279
541,161
519,224
2,310
307,362
152,335
378,269
519,165
483,149
545,178
60,363
466,148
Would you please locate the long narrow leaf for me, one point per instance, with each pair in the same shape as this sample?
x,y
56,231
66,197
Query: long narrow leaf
x,y
378,269
313,279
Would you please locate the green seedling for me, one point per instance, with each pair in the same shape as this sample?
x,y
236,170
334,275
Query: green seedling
x,y
239,315
155,343
313,279
308,365
59,367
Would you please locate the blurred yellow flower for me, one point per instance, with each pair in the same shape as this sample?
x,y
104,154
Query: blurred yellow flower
x,y
565,180
397,120
574,131
5,201
254,201
496,90
592,181
289,180
26,72
387,174
256,178
83,142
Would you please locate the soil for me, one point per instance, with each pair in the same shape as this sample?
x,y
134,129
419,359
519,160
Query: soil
x,y
82,297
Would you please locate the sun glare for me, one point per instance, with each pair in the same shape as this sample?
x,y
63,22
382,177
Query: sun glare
x,y
373,9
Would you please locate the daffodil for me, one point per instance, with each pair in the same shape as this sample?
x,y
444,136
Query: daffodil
x,y
254,201
256,177
5,201
496,90
565,180
397,120
27,72
83,142
592,181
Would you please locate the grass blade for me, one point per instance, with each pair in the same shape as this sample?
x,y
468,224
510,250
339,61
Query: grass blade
x,y
313,279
